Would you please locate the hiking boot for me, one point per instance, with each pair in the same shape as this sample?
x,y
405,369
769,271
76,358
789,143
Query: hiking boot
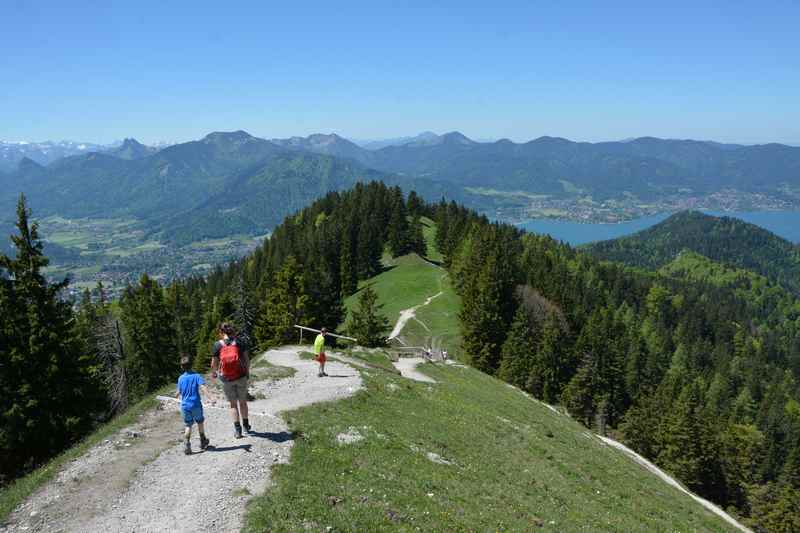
x,y
324,374
203,442
248,429
320,374
237,431
187,449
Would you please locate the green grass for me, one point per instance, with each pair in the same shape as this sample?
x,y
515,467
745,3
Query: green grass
x,y
263,369
408,281
514,465
378,359
19,490
441,318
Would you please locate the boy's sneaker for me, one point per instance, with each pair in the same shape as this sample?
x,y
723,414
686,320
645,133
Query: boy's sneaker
x,y
248,429
324,374
203,442
320,374
237,432
187,449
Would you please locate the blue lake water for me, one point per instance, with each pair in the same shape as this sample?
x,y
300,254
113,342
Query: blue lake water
x,y
783,223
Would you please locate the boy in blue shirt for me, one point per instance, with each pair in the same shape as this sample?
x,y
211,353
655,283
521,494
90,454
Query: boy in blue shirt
x,y
189,385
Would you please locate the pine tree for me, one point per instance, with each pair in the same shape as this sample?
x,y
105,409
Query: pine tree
x,y
369,247
689,448
152,352
244,313
414,205
286,304
518,354
416,238
48,390
552,367
348,270
398,232
367,323
184,325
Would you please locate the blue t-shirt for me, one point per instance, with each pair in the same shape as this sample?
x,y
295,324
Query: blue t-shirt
x,y
189,386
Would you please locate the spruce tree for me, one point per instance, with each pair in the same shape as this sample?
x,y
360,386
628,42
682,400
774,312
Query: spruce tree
x,y
287,304
398,231
416,238
152,352
689,448
244,310
552,367
518,354
367,323
48,392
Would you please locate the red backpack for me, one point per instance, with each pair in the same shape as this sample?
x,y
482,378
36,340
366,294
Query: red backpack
x,y
230,362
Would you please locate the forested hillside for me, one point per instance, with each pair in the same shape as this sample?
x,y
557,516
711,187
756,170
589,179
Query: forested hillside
x,y
723,239
689,373
685,369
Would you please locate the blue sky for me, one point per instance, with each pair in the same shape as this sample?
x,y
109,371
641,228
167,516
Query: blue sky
x,y
100,71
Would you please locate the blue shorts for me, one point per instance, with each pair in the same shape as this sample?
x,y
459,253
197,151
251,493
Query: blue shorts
x,y
192,415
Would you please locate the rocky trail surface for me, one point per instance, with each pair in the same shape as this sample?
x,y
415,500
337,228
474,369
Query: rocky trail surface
x,y
140,480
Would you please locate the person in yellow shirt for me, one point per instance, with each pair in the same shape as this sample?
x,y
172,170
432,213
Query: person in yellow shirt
x,y
319,351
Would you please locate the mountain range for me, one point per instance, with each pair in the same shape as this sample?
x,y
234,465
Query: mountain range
x,y
235,182
44,153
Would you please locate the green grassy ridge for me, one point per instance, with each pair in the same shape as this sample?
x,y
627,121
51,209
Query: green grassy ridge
x,y
514,465
407,281
22,488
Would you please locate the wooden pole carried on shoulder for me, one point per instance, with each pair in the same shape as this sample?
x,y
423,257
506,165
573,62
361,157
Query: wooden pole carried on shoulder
x,y
304,328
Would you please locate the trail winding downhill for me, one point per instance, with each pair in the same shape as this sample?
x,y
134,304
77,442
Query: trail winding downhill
x,y
141,481
408,314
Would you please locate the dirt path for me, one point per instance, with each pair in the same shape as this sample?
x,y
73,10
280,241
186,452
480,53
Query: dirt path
x,y
140,480
408,369
671,481
408,314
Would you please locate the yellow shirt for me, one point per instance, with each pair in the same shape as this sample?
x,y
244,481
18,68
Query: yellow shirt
x,y
319,344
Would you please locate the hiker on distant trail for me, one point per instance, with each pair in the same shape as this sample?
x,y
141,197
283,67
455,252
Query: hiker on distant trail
x,y
231,357
189,385
319,351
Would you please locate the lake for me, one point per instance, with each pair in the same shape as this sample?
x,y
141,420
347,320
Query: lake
x,y
783,223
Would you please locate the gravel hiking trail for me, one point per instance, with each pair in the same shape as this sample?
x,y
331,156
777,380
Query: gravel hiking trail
x,y
408,369
140,480
408,314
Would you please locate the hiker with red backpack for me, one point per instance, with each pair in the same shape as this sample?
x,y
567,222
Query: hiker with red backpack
x,y
230,361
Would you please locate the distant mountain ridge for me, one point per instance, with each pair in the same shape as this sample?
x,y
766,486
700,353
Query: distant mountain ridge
x,y
646,167
729,241
47,152
156,184
377,144
11,153
222,184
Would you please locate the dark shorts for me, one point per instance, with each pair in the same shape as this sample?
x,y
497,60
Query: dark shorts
x,y
192,415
